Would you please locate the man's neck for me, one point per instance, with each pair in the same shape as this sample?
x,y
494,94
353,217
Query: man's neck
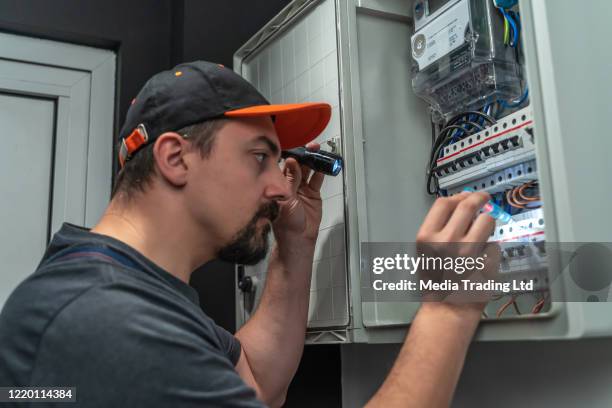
x,y
162,234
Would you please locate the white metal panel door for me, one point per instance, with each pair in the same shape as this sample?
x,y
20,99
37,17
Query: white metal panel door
x,y
56,111
25,164
300,64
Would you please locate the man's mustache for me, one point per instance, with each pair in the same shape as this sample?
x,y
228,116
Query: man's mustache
x,y
269,210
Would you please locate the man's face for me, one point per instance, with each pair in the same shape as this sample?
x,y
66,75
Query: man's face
x,y
232,194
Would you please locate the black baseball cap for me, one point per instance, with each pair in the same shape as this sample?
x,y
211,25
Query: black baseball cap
x,y
197,91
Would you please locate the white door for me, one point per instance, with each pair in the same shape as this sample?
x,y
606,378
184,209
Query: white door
x,y
56,124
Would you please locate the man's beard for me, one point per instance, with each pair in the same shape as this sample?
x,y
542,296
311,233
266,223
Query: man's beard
x,y
249,247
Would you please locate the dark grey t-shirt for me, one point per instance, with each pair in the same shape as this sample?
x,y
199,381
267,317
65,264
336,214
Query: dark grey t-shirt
x,y
123,333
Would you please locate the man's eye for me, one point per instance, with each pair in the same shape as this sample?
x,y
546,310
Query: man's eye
x,y
260,157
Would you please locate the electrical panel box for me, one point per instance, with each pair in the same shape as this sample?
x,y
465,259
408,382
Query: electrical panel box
x,y
394,93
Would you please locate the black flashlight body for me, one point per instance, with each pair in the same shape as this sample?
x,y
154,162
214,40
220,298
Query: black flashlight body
x,y
321,161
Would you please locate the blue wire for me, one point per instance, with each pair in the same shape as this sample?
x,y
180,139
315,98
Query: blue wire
x,y
515,30
517,18
485,111
515,104
514,27
458,134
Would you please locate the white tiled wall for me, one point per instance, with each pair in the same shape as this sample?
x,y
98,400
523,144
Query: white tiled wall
x,y
301,65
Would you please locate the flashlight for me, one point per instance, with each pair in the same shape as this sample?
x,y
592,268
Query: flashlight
x,y
321,161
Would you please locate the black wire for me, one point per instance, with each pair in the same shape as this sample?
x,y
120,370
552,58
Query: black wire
x,y
445,136
436,186
456,118
437,152
432,165
442,139
475,125
490,119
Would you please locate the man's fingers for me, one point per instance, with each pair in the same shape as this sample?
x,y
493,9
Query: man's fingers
x,y
481,229
316,181
293,173
464,214
313,179
305,174
313,146
440,212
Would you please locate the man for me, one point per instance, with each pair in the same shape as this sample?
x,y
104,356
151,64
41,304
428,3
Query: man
x,y
109,311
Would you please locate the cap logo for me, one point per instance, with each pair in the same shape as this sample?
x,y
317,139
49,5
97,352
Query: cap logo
x,y
178,73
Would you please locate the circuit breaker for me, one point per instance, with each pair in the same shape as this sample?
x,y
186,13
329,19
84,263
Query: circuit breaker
x,y
430,98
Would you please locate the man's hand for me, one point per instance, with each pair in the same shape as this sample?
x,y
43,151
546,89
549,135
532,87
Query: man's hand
x,y
427,369
451,219
451,229
300,215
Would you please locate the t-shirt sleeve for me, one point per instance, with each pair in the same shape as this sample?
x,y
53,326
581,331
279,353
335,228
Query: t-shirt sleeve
x,y
120,346
229,343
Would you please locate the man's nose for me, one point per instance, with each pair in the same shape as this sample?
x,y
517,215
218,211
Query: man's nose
x,y
278,188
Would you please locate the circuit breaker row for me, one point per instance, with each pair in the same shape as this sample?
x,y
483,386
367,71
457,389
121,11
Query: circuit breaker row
x,y
508,142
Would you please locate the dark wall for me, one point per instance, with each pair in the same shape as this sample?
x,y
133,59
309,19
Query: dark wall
x,y
214,30
139,30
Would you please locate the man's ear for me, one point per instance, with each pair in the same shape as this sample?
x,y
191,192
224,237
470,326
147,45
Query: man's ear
x,y
169,150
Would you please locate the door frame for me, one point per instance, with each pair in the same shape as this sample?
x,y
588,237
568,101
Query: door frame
x,y
93,155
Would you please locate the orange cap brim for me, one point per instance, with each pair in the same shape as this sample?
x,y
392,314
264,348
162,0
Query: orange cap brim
x,y
296,123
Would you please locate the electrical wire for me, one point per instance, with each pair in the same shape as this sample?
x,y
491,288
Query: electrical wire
x,y
505,306
488,118
506,31
521,190
518,197
443,138
459,134
506,105
517,18
460,125
516,308
538,306
515,32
